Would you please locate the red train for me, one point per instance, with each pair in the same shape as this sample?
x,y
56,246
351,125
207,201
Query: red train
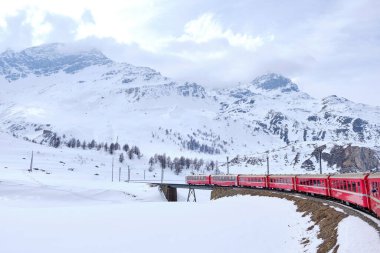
x,y
362,190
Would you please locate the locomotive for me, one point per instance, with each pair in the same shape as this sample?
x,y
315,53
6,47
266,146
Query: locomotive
x,y
358,189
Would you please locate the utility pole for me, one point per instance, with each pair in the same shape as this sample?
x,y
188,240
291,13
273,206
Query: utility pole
x,y
228,166
112,168
119,173
144,174
320,160
162,175
129,174
31,163
268,163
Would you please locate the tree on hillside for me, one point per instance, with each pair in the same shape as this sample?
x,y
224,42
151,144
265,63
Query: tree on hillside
x,y
112,148
126,147
121,158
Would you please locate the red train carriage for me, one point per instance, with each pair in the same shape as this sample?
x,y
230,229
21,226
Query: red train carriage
x,y
374,192
286,182
252,180
317,184
198,180
350,188
224,180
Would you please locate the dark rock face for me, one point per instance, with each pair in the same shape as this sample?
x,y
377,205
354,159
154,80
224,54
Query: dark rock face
x,y
358,126
274,81
352,159
191,89
308,165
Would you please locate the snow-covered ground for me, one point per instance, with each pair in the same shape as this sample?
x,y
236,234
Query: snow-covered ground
x,y
136,218
354,235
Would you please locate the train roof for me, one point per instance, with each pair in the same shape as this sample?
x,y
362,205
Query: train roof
x,y
282,175
220,175
374,175
350,175
251,175
313,176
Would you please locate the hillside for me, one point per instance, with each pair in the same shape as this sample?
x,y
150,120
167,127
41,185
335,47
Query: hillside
x,y
54,94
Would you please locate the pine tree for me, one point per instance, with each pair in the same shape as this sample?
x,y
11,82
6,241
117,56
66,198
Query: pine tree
x,y
112,148
126,147
121,158
130,154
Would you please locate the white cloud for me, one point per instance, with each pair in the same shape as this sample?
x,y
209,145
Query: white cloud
x,y
205,28
329,46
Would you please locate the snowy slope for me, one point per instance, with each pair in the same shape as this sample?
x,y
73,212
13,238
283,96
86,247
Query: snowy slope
x,y
82,220
81,94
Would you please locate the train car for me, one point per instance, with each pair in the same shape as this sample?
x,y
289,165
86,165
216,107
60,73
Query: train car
x,y
198,180
373,181
350,188
259,181
315,184
224,180
285,182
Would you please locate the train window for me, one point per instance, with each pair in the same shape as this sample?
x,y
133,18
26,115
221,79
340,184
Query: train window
x,y
354,186
376,193
344,185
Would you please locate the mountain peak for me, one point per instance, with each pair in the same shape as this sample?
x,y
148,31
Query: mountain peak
x,y
48,59
273,81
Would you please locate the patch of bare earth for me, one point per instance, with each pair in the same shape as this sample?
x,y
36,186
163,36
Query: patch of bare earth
x,y
323,215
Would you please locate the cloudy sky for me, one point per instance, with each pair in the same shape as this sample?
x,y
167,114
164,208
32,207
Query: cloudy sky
x,y
326,46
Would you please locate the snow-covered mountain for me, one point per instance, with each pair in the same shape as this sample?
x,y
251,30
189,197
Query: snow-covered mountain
x,y
58,91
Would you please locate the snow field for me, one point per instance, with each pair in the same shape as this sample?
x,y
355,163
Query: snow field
x,y
127,224
354,235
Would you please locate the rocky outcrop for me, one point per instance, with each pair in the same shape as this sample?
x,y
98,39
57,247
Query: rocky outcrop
x,y
352,159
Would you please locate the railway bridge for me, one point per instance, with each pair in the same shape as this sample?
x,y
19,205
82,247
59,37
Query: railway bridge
x,y
170,190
